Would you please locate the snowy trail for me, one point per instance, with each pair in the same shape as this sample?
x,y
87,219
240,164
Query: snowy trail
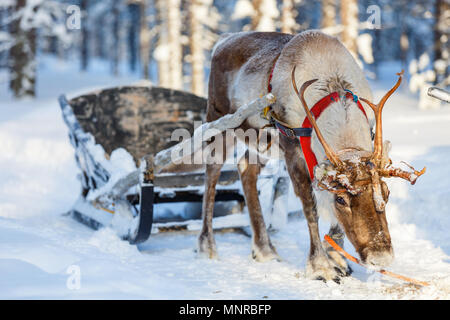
x,y
38,244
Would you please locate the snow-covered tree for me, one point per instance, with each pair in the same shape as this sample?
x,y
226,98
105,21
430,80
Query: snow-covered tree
x,y
423,59
441,43
422,77
22,55
26,17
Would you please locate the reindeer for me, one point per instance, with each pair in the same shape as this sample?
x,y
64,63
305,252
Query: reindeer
x,y
339,158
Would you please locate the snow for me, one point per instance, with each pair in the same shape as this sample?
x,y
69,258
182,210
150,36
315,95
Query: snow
x,y
46,254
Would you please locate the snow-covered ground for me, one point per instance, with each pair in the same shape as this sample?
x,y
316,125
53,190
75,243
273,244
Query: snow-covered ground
x,y
42,251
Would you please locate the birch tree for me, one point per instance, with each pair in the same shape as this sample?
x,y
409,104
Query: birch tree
x,y
175,46
162,51
144,39
349,18
265,13
328,14
288,14
196,14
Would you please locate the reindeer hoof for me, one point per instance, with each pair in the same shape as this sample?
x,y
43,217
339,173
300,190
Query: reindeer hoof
x,y
266,254
340,262
349,271
324,269
210,254
206,248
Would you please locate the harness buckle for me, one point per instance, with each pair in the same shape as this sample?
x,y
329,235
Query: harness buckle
x,y
289,132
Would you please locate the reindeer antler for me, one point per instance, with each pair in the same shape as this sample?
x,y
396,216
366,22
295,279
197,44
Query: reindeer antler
x,y
378,109
397,172
332,156
378,144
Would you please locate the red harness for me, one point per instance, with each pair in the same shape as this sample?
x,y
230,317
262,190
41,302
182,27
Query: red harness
x,y
316,110
305,131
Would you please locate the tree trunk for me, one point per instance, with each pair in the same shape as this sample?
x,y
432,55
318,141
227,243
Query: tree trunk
x,y
196,45
144,39
441,45
349,18
288,13
84,35
115,33
175,47
133,9
328,13
162,52
22,57
265,11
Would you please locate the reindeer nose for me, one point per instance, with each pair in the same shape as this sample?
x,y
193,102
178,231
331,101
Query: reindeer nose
x,y
379,258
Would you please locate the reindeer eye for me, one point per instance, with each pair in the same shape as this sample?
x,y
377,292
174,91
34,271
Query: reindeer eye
x,y
341,201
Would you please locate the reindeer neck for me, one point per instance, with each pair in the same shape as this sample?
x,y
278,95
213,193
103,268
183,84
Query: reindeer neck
x,y
344,126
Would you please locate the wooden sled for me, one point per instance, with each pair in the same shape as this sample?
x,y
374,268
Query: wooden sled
x,y
112,131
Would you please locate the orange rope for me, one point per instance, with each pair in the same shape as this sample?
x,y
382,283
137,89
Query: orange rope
x,y
97,206
385,272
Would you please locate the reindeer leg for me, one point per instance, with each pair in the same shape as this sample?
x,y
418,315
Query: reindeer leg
x,y
262,248
206,241
337,235
320,266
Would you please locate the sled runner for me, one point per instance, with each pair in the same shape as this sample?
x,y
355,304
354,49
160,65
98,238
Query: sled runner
x,y
113,131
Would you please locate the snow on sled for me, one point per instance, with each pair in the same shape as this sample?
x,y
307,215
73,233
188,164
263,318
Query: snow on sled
x,y
113,131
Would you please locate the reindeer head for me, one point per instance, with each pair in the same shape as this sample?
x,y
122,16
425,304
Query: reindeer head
x,y
354,177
